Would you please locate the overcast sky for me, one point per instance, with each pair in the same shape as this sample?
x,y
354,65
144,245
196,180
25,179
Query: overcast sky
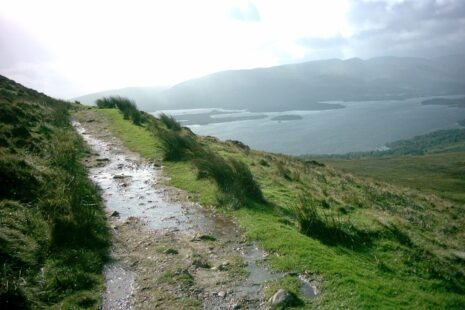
x,y
70,48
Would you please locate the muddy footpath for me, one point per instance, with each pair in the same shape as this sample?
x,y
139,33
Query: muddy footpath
x,y
168,252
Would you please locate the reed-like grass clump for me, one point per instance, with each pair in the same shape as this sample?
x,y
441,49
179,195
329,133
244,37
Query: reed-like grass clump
x,y
234,179
126,106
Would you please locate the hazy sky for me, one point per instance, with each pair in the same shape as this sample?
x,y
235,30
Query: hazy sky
x,y
69,48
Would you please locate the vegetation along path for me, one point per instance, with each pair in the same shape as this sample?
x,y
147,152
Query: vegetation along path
x,y
354,243
168,251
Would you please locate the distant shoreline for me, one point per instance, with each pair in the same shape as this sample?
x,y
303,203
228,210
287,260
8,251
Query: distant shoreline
x,y
289,117
450,102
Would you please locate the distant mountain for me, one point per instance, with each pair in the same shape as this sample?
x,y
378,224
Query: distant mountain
x,y
145,97
304,86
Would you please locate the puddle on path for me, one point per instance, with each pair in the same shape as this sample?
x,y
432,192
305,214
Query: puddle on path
x,y
128,187
307,288
257,273
255,258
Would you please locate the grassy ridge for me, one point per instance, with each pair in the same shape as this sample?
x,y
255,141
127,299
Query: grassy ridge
x,y
53,233
409,255
441,141
432,163
442,174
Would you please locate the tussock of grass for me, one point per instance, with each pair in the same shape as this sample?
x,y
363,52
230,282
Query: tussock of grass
x,y
232,176
283,170
126,106
177,145
170,122
329,228
106,103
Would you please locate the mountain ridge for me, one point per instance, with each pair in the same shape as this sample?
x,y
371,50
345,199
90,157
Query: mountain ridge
x,y
299,86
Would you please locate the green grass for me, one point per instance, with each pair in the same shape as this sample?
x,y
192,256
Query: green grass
x,y
170,122
140,140
441,174
53,233
126,106
408,263
136,138
440,141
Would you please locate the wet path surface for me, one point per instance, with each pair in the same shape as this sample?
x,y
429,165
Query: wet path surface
x,y
129,187
146,217
120,285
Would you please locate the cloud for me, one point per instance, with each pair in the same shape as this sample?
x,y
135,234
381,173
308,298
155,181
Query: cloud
x,y
321,48
425,28
245,12
71,48
323,43
19,46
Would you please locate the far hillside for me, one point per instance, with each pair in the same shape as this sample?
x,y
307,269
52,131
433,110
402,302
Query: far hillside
x,y
433,163
307,86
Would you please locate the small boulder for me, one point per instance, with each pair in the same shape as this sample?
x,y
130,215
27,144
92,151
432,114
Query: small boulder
x,y
281,299
115,214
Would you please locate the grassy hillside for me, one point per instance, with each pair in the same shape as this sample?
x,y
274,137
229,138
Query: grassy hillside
x,y
53,234
440,174
367,244
441,141
432,163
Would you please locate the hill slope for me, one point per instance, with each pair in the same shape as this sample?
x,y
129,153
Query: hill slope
x,y
53,235
432,163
